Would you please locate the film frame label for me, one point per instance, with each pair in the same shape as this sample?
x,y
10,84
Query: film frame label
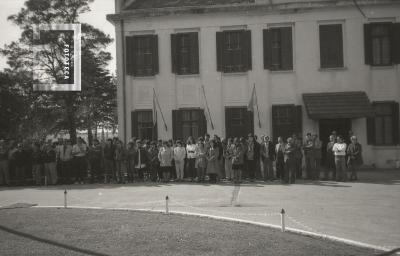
x,y
56,64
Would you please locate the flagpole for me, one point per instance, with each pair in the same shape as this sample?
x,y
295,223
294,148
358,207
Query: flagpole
x,y
208,109
162,115
258,112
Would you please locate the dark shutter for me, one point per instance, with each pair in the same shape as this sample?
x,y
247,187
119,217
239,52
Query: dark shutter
x,y
174,51
155,53
267,48
367,44
286,48
331,45
194,53
129,57
220,51
246,50
134,55
202,122
228,122
176,124
396,130
275,133
134,122
298,120
396,43
371,131
249,122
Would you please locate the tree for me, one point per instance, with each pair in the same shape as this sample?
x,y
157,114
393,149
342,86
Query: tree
x,y
65,110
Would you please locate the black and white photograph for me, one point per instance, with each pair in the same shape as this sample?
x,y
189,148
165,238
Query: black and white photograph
x,y
200,127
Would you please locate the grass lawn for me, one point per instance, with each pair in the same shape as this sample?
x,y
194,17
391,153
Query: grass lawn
x,y
39,231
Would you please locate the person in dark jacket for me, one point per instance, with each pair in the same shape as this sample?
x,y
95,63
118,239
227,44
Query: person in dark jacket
x,y
140,160
50,167
355,160
95,158
108,160
252,156
268,155
280,159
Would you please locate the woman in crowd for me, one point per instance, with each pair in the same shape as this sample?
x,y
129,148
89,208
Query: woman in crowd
x,y
165,157
212,162
79,151
179,159
191,158
201,160
339,149
237,160
280,160
354,152
227,153
290,162
330,159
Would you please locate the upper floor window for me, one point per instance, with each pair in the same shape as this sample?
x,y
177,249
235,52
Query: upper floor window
x,y
142,55
234,51
278,48
382,43
331,45
185,53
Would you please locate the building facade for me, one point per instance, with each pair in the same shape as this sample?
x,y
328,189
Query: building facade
x,y
231,67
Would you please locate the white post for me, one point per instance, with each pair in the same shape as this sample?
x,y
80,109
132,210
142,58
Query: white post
x,y
166,205
283,220
65,198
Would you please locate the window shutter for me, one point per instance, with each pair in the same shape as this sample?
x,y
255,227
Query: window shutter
x,y
246,50
129,56
155,54
174,51
267,43
220,51
371,131
367,44
396,43
331,46
249,122
228,122
298,120
194,53
177,124
275,127
134,122
286,48
396,130
202,122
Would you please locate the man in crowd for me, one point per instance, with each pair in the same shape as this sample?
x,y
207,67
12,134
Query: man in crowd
x,y
267,151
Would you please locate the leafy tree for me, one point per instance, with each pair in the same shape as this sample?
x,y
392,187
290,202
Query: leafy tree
x,y
63,110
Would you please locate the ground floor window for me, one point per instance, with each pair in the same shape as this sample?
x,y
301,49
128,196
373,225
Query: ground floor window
x,y
142,125
238,122
286,121
383,129
188,122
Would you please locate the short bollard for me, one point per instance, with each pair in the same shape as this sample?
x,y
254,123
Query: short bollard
x,y
166,205
283,220
65,198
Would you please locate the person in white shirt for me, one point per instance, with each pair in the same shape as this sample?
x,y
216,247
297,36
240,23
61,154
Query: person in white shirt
x,y
79,151
191,158
339,150
179,157
64,156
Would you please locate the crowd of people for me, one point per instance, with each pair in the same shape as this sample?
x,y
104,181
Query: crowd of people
x,y
203,160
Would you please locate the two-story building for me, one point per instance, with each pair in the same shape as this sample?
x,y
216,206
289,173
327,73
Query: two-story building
x,y
315,66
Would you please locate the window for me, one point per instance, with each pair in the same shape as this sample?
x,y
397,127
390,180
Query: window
x,y
188,122
185,53
142,55
331,45
383,129
238,122
234,51
278,48
382,43
286,121
142,125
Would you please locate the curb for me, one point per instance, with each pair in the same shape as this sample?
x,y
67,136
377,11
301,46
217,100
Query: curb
x,y
276,227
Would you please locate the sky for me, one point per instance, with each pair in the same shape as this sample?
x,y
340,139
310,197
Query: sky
x,y
96,17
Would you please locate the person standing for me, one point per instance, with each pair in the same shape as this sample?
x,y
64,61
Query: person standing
x,y
4,164
227,153
290,161
154,164
50,166
108,161
95,152
280,159
252,155
201,161
297,142
317,156
237,160
354,152
140,160
330,159
65,161
339,149
268,155
165,156
130,154
212,162
120,159
191,158
308,149
179,158
18,158
79,151
37,163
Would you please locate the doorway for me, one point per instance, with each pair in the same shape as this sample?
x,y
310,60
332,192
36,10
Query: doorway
x,y
326,126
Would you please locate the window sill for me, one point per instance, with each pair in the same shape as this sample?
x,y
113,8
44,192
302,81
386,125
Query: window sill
x,y
281,71
187,75
144,77
332,69
235,73
382,67
393,147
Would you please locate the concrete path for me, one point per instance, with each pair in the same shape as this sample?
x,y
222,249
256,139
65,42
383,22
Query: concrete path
x,y
367,211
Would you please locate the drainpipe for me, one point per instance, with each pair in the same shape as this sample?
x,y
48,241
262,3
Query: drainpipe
x,y
123,78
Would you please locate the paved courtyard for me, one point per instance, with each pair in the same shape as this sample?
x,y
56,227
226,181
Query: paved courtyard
x,y
365,211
